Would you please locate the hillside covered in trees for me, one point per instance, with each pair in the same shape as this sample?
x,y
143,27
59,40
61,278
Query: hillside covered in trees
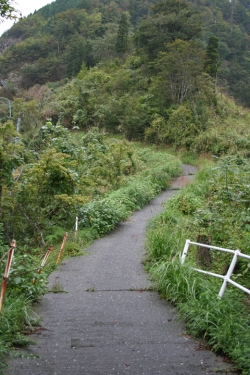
x,y
80,80
149,71
55,41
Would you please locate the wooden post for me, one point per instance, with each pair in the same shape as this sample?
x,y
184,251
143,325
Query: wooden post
x,y
62,247
7,271
44,261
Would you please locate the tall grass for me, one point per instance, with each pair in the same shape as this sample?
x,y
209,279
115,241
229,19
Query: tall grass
x,y
14,322
224,323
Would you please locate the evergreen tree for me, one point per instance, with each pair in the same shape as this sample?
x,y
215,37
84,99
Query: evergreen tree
x,y
122,35
211,58
169,20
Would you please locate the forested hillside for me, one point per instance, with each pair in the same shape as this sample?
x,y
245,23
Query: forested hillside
x,y
80,80
55,41
150,72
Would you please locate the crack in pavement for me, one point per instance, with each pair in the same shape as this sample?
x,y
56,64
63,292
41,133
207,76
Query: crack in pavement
x,y
140,290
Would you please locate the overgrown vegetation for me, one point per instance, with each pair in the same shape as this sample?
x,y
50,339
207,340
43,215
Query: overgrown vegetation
x,y
102,65
56,174
214,210
155,72
48,180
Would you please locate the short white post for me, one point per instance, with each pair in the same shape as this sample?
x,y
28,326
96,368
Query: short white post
x,y
229,273
185,250
76,226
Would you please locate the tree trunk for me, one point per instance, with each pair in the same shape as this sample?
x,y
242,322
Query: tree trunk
x,y
203,256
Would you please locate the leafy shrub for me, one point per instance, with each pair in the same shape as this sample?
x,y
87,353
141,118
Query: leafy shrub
x,y
182,127
102,216
186,203
53,136
23,271
218,140
156,133
56,233
160,177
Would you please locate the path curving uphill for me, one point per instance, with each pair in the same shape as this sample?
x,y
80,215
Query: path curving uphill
x,y
109,322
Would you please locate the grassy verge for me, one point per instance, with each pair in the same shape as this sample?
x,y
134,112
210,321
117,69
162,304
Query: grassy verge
x,y
215,209
97,217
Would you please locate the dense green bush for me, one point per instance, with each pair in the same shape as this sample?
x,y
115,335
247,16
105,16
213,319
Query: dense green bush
x,y
23,271
223,141
102,215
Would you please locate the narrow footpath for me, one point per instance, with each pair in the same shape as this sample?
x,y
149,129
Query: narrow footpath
x,y
109,321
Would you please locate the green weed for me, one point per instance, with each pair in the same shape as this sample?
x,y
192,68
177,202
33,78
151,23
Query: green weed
x,y
14,322
57,288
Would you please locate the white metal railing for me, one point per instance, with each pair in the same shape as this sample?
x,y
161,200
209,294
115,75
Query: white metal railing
x,y
227,277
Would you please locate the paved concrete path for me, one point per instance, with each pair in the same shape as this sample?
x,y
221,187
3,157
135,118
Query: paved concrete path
x,y
108,322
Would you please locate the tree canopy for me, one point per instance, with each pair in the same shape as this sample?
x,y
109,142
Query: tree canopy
x,y
170,20
7,10
56,40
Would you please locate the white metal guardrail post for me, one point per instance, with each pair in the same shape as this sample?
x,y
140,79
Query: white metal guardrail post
x,y
185,250
229,273
227,277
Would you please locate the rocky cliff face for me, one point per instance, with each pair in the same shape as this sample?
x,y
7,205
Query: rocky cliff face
x,y
6,42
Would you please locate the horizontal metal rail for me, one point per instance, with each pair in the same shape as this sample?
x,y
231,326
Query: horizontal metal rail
x,y
226,278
